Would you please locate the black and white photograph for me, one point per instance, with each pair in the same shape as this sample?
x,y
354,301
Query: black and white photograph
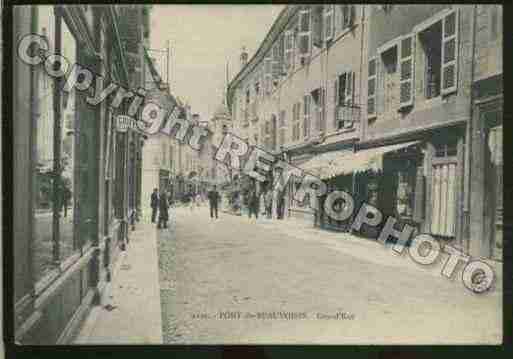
x,y
253,174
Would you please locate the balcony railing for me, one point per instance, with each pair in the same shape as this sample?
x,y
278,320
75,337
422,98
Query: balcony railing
x,y
346,116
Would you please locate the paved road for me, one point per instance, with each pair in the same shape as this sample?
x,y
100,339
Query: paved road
x,y
234,265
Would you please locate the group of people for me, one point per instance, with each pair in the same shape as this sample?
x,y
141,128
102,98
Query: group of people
x,y
160,202
267,198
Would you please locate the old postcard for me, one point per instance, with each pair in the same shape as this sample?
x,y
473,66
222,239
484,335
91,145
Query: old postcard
x,y
256,174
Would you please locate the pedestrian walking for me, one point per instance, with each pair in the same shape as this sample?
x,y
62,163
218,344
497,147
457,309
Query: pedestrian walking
x,y
163,211
198,199
67,198
253,203
154,204
213,201
269,203
192,200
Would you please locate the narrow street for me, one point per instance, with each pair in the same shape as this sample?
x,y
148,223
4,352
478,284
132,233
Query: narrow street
x,y
232,265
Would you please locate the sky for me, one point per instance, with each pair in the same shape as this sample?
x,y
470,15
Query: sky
x,y
203,39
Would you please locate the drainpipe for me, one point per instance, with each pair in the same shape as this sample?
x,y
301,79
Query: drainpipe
x,y
468,145
360,95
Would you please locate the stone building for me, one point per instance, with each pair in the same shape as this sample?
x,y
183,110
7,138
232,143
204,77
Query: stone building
x,y
75,190
300,92
400,105
485,190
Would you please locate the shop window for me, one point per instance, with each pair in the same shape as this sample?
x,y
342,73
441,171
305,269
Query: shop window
x,y
406,190
56,191
431,41
449,149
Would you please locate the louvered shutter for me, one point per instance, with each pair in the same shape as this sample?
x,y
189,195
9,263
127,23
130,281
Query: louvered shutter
x,y
372,86
276,61
328,22
335,101
407,68
322,110
317,20
349,91
288,49
450,53
282,55
349,88
304,32
267,74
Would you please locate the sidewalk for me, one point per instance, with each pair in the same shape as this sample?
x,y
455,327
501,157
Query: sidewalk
x,y
130,310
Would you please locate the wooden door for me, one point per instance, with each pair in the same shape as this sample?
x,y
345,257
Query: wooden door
x,y
443,196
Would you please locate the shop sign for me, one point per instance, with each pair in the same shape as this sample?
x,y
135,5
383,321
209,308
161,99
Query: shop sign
x,y
123,123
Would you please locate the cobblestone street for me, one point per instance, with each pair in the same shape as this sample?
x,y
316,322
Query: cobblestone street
x,y
211,267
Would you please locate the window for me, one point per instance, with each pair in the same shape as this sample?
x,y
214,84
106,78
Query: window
x,y
317,28
318,97
494,22
439,43
407,76
306,115
295,121
389,80
305,33
289,50
282,128
343,90
431,41
257,88
328,22
44,197
268,75
405,199
347,17
371,88
450,53
276,63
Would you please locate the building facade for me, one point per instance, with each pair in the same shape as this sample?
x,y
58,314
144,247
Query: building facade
x,y
75,175
487,230
400,105
300,93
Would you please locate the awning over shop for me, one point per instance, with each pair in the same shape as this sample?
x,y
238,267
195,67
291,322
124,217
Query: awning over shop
x,y
344,162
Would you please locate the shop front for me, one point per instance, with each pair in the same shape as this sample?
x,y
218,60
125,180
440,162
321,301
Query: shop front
x,y
486,214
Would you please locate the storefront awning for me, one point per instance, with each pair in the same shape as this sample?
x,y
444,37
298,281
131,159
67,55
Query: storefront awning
x,y
344,162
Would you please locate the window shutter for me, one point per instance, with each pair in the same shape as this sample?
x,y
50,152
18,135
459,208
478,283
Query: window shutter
x,y
349,91
449,53
317,20
335,100
371,87
407,68
306,114
322,122
288,49
349,88
268,74
304,32
328,22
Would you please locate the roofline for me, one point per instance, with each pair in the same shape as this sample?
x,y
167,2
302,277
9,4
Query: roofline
x,y
281,22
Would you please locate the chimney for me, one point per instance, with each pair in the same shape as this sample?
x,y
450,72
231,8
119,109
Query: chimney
x,y
243,57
